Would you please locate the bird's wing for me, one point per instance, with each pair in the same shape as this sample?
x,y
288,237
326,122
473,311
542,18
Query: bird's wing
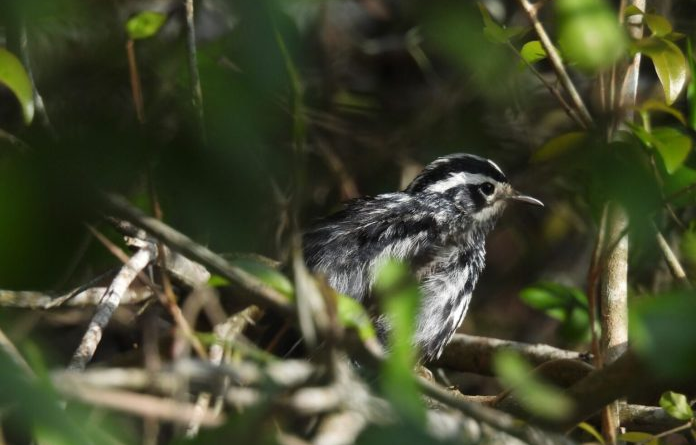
x,y
345,246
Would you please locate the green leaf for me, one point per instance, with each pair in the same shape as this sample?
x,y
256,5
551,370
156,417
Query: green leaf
x,y
676,405
15,77
679,187
592,431
559,146
687,246
654,105
352,314
145,24
658,24
669,62
532,52
399,296
265,273
691,90
638,437
495,32
632,10
565,304
537,396
672,145
589,34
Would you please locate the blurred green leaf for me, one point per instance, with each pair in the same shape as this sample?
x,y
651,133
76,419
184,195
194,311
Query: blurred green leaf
x,y
658,24
15,77
676,405
559,146
145,24
399,297
654,105
592,431
538,397
352,314
565,304
673,146
638,437
669,62
691,89
589,33
495,32
632,10
532,52
679,186
662,330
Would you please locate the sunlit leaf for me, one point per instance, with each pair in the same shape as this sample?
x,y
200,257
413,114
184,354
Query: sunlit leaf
x,y
15,77
676,405
658,24
672,145
589,35
669,62
145,24
654,105
565,304
538,397
399,298
560,145
532,52
638,437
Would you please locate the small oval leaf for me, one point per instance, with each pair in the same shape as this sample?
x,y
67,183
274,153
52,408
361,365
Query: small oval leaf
x,y
672,145
654,105
15,77
638,437
145,24
676,405
533,52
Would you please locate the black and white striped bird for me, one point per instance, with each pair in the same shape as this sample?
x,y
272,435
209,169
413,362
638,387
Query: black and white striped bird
x,y
437,225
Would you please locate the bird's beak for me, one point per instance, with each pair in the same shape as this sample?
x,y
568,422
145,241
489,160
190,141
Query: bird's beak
x,y
524,198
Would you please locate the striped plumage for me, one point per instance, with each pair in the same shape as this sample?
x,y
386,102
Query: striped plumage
x,y
438,225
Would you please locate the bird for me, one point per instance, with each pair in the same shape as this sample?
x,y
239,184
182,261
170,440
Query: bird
x,y
437,225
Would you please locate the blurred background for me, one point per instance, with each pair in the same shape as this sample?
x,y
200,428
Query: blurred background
x,y
305,103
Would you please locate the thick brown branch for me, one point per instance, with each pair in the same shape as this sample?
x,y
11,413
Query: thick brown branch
x,y
469,353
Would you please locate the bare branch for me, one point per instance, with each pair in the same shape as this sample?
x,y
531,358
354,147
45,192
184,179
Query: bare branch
x,y
672,261
112,298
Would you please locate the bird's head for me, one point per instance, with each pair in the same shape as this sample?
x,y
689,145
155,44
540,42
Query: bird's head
x,y
474,184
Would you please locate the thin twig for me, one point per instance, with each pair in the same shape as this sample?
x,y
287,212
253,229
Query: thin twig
x,y
136,89
552,89
112,298
496,419
672,261
194,76
557,62
260,292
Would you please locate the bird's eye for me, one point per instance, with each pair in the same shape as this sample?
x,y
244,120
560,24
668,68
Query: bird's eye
x,y
487,188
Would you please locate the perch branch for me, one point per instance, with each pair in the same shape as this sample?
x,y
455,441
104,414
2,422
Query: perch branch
x,y
469,353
